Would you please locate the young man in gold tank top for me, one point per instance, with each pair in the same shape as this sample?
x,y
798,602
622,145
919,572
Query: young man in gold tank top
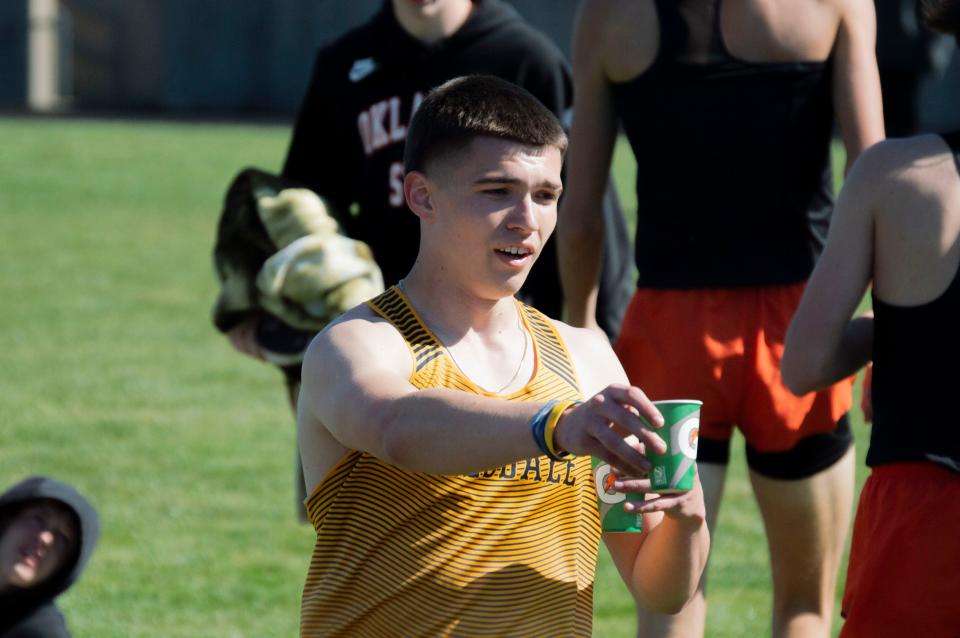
x,y
438,423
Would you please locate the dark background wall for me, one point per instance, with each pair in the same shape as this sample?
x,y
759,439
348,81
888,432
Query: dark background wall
x,y
13,52
245,57
206,55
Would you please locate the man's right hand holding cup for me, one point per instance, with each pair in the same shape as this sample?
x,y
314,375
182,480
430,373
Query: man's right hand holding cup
x,y
600,427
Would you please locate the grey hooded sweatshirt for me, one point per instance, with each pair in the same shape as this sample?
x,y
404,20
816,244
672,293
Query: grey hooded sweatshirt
x,y
31,613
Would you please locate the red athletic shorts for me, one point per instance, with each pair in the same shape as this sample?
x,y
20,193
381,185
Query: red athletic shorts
x,y
723,347
904,573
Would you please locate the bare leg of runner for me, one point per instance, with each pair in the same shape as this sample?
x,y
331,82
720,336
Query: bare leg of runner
x,y
807,522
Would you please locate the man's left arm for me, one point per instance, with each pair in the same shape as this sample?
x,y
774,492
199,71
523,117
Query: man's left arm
x,y
825,343
662,565
857,102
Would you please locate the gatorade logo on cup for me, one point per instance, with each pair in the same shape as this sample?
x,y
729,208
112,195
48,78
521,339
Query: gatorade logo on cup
x,y
687,434
604,481
659,474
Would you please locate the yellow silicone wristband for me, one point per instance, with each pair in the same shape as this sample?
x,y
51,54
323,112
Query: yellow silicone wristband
x,y
555,413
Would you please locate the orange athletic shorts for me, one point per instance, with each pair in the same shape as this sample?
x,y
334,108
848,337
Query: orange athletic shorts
x,y
723,347
903,578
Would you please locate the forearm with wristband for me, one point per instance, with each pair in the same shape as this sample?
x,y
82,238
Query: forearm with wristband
x,y
543,428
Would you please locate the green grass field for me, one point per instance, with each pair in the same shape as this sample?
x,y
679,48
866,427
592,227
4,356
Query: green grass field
x,y
113,379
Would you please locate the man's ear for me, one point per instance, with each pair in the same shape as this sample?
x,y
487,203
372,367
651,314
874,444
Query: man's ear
x,y
417,189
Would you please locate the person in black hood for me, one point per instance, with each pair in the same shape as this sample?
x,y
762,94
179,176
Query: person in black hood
x,y
48,532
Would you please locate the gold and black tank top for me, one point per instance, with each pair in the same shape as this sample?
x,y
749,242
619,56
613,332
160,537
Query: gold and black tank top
x,y
510,551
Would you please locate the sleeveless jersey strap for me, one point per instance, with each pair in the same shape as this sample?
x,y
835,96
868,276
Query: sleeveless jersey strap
x,y
555,375
555,360
391,305
677,34
424,346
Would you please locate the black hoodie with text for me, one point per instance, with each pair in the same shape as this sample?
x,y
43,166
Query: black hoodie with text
x,y
31,613
348,140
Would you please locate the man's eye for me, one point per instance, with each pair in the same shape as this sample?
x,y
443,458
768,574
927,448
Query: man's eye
x,y
547,196
495,191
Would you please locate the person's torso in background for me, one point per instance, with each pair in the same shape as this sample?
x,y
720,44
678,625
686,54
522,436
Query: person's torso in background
x,y
915,345
733,182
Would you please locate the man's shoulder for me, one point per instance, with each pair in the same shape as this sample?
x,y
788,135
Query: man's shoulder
x,y
359,340
903,176
903,162
581,341
592,356
625,36
359,330
572,333
852,10
361,317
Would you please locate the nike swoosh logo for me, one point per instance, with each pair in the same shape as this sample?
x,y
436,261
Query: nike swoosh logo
x,y
362,68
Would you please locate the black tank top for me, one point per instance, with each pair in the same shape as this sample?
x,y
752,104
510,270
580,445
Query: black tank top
x,y
915,410
733,179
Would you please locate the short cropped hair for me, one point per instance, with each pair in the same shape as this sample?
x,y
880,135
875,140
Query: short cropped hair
x,y
942,16
456,112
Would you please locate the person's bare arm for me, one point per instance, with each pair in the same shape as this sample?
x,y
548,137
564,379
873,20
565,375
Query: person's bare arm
x,y
356,387
857,102
244,340
661,565
825,343
580,229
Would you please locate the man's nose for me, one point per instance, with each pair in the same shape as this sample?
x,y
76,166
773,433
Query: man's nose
x,y
523,216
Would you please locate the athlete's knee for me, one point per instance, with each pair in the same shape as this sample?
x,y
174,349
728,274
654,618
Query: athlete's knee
x,y
808,603
800,621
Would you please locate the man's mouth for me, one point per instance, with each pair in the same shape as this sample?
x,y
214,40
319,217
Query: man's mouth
x,y
515,251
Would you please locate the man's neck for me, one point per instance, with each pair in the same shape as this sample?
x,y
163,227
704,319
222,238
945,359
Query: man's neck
x,y
432,23
451,310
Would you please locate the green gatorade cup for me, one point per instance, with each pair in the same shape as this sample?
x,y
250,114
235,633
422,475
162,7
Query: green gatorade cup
x,y
612,516
674,470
